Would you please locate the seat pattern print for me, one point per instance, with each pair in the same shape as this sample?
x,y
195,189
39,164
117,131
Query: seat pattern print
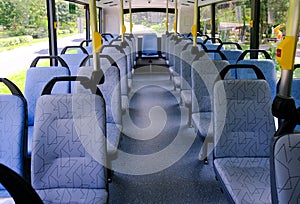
x,y
69,149
12,111
243,132
287,169
247,180
249,124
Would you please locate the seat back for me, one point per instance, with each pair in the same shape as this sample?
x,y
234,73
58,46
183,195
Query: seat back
x,y
118,54
179,46
187,58
285,169
204,73
69,147
36,79
232,51
87,45
126,47
110,88
74,60
267,66
13,134
243,122
149,44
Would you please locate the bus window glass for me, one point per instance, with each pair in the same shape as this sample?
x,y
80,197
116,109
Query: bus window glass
x,y
70,24
149,22
233,22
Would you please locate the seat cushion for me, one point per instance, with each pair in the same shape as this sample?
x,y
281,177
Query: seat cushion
x,y
73,195
245,180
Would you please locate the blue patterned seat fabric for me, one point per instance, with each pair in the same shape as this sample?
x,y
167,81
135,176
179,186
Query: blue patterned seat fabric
x,y
12,134
285,169
243,133
112,96
121,60
187,58
149,45
177,62
129,66
267,67
36,79
69,149
204,74
171,52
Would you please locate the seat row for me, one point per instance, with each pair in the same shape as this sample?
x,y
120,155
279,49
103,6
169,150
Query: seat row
x,y
194,79
234,113
68,158
66,126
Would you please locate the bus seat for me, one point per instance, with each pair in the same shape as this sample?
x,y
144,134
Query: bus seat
x,y
112,96
13,134
187,58
69,148
163,45
285,169
149,45
232,55
36,79
177,70
74,60
87,45
204,73
127,49
267,66
118,54
243,133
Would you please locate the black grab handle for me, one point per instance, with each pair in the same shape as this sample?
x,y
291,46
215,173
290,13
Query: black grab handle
x,y
296,66
85,81
85,41
218,39
257,71
74,47
12,87
238,46
58,58
19,189
242,56
107,34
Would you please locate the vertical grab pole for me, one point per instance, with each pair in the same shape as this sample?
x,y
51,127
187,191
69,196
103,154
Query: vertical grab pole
x,y
167,17
123,28
287,48
194,27
176,18
130,17
97,39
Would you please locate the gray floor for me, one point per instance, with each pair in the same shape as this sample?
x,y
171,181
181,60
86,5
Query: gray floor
x,y
158,159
